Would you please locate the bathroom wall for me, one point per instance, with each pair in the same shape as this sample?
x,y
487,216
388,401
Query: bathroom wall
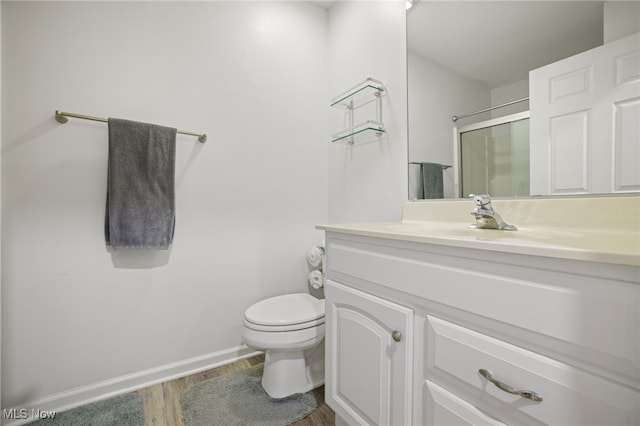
x,y
439,94
621,18
0,211
368,180
78,321
507,93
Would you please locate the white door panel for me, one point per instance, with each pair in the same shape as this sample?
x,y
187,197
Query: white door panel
x,y
585,120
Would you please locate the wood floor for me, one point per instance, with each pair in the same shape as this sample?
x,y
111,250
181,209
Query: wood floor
x,y
162,401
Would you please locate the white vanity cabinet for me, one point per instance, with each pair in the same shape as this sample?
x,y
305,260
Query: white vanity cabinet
x,y
566,331
369,373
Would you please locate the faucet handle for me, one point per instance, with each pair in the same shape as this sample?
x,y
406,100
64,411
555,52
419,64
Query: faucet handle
x,y
481,201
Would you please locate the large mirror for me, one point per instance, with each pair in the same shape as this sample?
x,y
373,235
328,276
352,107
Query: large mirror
x,y
468,56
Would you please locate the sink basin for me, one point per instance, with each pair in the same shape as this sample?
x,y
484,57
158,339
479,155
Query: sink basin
x,y
602,229
543,237
463,230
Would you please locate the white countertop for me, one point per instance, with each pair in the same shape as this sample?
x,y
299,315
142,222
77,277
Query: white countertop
x,y
578,230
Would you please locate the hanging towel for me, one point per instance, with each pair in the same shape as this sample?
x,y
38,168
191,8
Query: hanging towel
x,y
432,185
140,211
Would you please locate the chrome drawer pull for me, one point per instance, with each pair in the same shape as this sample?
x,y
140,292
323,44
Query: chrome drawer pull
x,y
505,387
397,336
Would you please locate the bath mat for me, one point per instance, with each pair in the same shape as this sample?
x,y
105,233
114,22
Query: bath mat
x,y
238,399
122,410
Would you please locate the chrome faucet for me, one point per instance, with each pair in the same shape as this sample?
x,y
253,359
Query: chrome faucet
x,y
486,217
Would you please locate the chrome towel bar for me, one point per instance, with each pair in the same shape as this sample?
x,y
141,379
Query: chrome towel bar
x,y
444,166
61,117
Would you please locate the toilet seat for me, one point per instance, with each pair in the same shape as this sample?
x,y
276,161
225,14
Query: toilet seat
x,y
289,312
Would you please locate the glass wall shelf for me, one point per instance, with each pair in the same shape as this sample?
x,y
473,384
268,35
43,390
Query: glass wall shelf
x,y
365,91
360,131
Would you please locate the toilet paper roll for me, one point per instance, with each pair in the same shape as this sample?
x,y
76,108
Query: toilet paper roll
x,y
314,257
316,279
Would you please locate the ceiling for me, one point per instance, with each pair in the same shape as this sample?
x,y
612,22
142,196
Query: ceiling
x,y
498,42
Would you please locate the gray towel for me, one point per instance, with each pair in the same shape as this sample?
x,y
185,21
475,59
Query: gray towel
x,y
432,182
140,211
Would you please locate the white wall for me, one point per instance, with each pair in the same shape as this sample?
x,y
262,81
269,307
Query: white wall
x,y
508,93
253,77
438,94
621,18
368,181
0,209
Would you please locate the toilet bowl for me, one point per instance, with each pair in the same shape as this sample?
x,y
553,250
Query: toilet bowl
x,y
290,330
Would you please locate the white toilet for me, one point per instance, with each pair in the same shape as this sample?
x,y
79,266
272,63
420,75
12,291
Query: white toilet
x,y
290,330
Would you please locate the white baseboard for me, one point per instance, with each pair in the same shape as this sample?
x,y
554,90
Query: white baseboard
x,y
66,400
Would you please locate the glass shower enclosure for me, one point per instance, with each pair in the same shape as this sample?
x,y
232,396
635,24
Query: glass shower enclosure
x,y
494,157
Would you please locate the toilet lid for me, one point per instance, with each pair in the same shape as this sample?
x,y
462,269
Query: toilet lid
x,y
286,310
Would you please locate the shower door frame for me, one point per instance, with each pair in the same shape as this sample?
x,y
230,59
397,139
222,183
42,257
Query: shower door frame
x,y
457,131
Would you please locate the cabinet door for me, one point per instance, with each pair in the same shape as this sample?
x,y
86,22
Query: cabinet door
x,y
368,357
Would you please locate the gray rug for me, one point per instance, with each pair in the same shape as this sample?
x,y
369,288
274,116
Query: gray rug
x,y
238,399
122,410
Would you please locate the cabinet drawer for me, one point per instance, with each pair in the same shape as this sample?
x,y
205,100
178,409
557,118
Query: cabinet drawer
x,y
444,408
570,396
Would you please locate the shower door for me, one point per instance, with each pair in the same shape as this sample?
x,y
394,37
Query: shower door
x,y
494,157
